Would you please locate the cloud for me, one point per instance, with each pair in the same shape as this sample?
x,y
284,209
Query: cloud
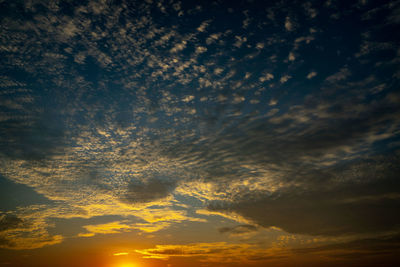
x,y
218,252
107,228
273,102
225,214
285,78
32,242
188,98
201,49
291,57
203,26
266,77
31,134
24,233
341,75
355,198
311,75
260,45
239,41
213,38
366,251
190,250
394,17
377,244
153,188
289,24
151,227
239,229
309,10
121,254
9,221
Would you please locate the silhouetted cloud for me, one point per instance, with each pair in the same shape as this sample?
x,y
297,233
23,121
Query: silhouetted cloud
x,y
153,188
358,197
9,221
31,137
366,246
239,229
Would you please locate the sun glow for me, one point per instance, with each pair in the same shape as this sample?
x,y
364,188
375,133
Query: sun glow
x,y
128,264
121,254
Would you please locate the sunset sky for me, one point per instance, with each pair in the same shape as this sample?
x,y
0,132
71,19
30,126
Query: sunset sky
x,y
199,133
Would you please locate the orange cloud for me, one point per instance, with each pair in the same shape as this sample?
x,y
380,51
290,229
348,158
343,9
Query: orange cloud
x,y
107,228
214,252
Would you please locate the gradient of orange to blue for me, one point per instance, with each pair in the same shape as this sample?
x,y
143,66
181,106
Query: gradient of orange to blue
x,y
180,133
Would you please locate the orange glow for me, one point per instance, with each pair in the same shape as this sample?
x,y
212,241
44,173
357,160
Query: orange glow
x,y
127,264
121,254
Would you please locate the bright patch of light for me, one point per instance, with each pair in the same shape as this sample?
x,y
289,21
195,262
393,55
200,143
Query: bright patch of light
x,y
128,265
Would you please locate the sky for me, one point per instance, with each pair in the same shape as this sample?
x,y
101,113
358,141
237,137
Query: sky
x,y
199,133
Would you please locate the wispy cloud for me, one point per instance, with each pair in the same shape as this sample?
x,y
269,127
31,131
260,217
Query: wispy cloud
x,y
214,252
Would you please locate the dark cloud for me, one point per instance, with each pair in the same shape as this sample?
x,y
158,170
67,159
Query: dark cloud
x,y
31,137
376,251
4,242
13,195
153,188
8,221
296,138
239,229
376,245
356,198
357,193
